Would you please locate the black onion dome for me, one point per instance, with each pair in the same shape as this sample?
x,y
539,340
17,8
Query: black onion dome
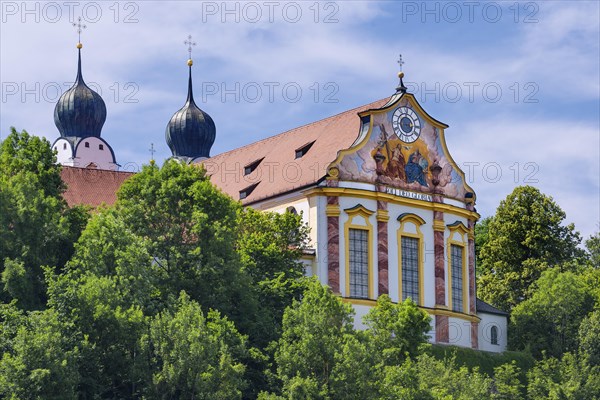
x,y
191,132
80,112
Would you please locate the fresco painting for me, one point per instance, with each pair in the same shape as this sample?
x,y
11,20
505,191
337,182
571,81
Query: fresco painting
x,y
421,165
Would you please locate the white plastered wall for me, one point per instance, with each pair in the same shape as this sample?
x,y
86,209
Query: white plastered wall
x,y
485,327
98,153
64,151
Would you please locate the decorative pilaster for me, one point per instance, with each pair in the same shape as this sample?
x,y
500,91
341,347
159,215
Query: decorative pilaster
x,y
382,247
441,329
332,211
472,292
439,261
475,335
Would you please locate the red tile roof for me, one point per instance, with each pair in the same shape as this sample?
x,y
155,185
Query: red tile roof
x,y
92,186
280,171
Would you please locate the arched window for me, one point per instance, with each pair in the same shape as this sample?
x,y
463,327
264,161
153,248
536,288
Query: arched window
x,y
494,334
359,253
410,256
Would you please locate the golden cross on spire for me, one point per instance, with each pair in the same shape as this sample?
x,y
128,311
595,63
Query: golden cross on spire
x,y
79,27
400,62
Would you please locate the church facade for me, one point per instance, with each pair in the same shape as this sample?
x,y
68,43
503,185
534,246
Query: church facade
x,y
389,210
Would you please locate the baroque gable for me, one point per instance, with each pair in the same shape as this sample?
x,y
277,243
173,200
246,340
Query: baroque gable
x,y
400,146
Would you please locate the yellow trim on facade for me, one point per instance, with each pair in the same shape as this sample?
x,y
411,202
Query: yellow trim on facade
x,y
430,311
453,314
460,229
390,198
332,210
439,225
417,222
351,149
359,211
383,216
360,302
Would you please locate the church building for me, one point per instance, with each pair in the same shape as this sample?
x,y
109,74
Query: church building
x,y
389,210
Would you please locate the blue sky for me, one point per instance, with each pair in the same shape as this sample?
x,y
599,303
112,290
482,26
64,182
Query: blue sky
x,y
518,82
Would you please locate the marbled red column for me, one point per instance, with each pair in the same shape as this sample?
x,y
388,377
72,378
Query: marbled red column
x,y
472,293
333,247
441,328
382,247
438,251
475,335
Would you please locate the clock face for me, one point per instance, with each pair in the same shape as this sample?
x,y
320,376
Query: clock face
x,y
406,124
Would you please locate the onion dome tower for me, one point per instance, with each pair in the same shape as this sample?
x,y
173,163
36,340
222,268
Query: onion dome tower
x,y
79,116
191,132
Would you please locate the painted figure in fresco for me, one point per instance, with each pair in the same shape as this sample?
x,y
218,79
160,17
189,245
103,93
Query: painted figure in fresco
x,y
396,166
416,167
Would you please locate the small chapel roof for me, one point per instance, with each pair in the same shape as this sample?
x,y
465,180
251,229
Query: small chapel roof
x,y
288,161
484,307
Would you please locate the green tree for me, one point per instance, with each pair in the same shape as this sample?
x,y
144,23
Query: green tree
x,y
106,294
36,226
317,337
193,356
589,338
397,331
570,377
191,230
40,362
592,246
402,382
481,237
507,385
549,321
270,246
525,237
445,380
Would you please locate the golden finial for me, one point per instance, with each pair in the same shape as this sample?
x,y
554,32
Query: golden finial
x,y
400,74
79,45
189,43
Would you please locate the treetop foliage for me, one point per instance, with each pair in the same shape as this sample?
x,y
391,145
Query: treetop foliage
x,y
177,292
525,237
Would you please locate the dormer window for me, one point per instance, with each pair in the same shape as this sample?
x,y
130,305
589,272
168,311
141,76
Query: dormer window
x,y
87,144
246,192
301,151
248,169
